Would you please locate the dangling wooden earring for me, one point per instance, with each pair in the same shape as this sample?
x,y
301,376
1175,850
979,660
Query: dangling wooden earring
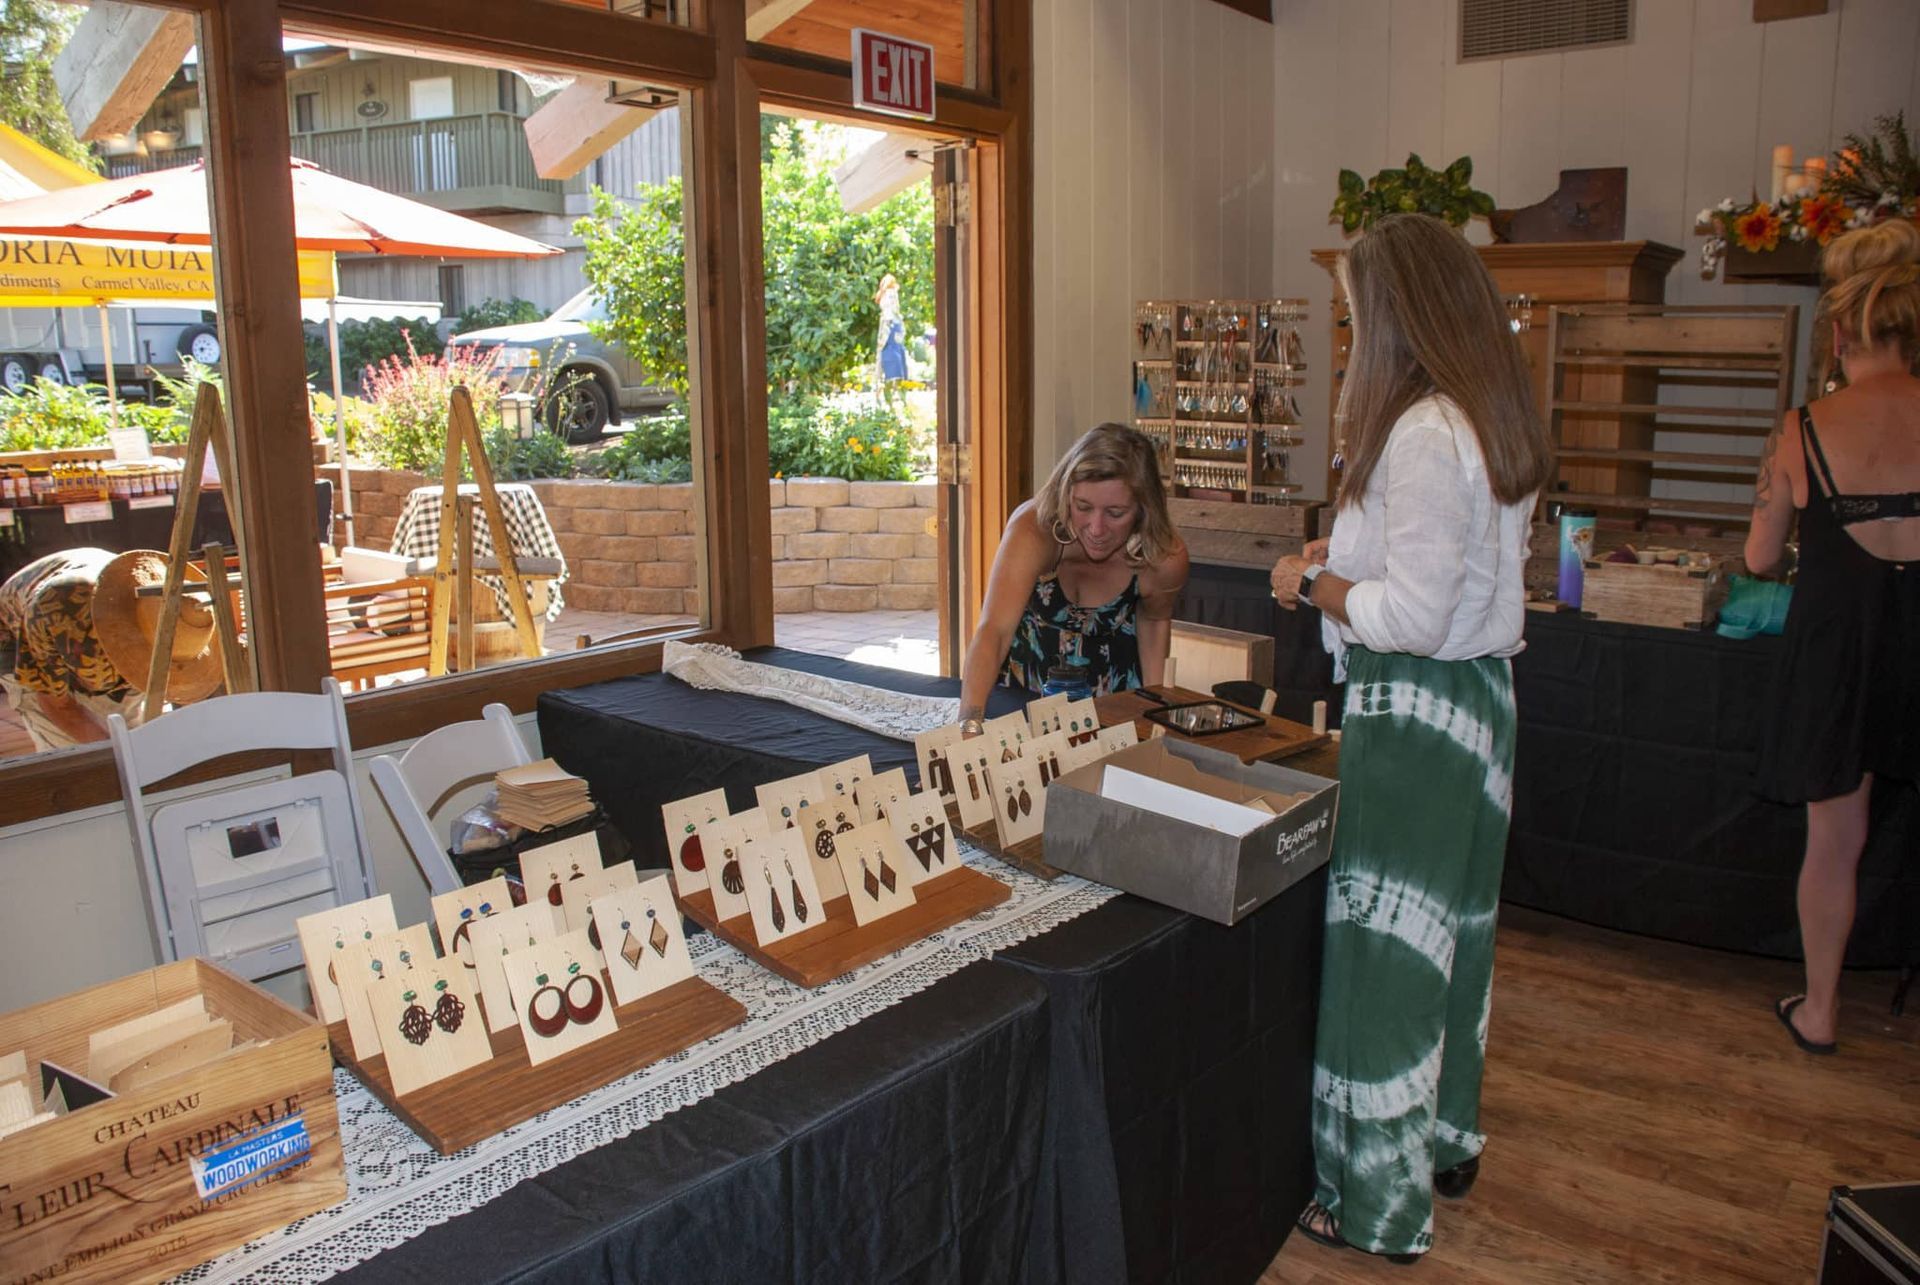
x,y
773,902
553,893
823,842
582,1013
414,1023
973,787
658,937
867,881
547,1027
787,812
844,826
690,855
448,1013
917,845
630,947
730,875
1013,805
799,902
887,877
461,933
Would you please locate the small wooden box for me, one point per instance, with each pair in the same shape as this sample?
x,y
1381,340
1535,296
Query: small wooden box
x,y
1664,595
107,1192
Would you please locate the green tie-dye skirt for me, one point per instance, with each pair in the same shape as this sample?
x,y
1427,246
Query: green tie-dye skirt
x,y
1426,762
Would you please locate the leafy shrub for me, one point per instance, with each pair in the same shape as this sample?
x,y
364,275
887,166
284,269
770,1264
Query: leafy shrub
x,y
516,459
408,403
490,312
365,345
656,449
864,444
48,415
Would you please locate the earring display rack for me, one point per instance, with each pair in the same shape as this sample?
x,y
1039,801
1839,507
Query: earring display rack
x,y
1214,385
475,1104
838,945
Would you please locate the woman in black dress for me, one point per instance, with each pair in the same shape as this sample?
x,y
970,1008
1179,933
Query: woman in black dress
x,y
1087,575
1846,704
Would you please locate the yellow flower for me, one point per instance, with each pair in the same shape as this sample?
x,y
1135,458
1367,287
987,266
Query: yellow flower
x,y
777,476
1758,229
854,442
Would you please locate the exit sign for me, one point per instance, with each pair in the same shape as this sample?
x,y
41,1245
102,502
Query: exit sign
x,y
892,75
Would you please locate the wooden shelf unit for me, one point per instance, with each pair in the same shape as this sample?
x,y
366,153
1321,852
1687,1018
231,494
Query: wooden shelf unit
x,y
1214,385
1609,450
1546,275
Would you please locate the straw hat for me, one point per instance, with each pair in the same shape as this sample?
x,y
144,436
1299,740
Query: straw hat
x,y
126,624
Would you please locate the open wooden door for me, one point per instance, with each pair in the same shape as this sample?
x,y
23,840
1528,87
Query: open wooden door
x,y
955,319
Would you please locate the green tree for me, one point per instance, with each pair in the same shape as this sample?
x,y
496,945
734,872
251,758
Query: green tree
x,y
822,268
31,33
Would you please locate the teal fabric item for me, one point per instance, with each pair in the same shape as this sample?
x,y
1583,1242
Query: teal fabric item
x,y
1754,607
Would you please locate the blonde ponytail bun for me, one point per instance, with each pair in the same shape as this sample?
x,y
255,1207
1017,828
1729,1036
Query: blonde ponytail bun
x,y
1872,286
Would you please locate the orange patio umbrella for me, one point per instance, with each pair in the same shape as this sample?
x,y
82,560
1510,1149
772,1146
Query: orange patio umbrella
x,y
329,213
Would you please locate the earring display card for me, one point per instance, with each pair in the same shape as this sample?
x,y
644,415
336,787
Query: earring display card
x,y
581,893
845,781
1079,754
921,824
561,995
361,963
930,751
731,838
1008,735
970,759
325,933
544,869
882,792
687,821
781,892
818,829
455,914
492,940
873,864
429,1026
1083,721
646,951
1049,755
782,800
1019,800
1047,715
1118,737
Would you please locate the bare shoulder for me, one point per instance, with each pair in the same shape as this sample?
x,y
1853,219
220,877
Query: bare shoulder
x,y
1169,574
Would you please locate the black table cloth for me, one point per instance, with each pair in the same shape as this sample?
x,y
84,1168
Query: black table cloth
x,y
905,1148
644,741
1180,1114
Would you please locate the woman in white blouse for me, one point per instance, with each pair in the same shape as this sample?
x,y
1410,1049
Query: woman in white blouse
x,y
1421,590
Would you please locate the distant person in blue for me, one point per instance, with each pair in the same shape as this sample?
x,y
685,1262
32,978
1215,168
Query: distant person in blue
x,y
893,330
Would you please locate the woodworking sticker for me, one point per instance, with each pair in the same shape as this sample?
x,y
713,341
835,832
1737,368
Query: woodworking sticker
x,y
254,1156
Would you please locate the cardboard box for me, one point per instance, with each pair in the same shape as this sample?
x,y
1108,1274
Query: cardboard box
x,y
112,1191
1181,860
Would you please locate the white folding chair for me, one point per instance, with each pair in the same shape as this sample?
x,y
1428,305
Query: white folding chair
x,y
418,783
225,873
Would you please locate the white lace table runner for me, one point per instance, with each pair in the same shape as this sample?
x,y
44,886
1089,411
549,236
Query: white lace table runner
x,y
397,1185
900,715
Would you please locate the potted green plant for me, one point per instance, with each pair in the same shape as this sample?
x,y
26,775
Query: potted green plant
x,y
1414,188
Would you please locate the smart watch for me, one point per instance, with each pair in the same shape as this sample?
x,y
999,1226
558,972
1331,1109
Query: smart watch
x,y
1307,578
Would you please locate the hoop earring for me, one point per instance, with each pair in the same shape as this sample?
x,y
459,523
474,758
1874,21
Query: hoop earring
x,y
582,1013
547,1027
1134,547
1063,541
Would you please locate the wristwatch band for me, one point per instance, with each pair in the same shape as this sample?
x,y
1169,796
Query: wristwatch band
x,y
1307,578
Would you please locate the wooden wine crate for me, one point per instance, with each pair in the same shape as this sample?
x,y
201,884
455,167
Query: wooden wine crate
x,y
1663,595
107,1192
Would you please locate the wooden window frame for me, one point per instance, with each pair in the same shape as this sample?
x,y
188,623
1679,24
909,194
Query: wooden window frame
x,y
247,109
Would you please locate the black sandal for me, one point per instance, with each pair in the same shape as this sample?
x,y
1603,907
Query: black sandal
x,y
1317,1223
1783,1009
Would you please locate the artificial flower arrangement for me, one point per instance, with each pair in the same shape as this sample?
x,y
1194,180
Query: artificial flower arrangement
x,y
1869,180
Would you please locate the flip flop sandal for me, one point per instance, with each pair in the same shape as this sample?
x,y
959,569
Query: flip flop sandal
x,y
1783,1009
1315,1212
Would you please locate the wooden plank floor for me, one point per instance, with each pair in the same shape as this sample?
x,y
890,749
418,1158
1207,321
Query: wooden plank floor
x,y
1648,1120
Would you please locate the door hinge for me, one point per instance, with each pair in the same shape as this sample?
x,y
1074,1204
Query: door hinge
x,y
952,204
955,466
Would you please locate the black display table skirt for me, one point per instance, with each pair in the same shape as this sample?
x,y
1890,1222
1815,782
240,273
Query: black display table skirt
x,y
1633,802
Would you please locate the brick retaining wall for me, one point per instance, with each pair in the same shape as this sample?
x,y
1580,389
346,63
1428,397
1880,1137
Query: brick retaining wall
x,y
837,546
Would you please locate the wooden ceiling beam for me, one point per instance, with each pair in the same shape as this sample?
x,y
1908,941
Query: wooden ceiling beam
x,y
891,165
117,61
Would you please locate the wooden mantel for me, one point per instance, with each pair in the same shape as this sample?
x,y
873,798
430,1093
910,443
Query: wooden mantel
x,y
1548,273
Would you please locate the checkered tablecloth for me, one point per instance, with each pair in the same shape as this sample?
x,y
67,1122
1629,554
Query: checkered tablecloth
x,y
417,535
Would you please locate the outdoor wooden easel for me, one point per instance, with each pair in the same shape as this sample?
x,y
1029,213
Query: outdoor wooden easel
x,y
209,429
463,436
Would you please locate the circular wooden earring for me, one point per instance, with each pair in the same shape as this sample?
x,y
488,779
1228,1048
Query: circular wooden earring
x,y
730,875
547,1027
464,932
447,1014
414,1023
823,842
690,855
587,1010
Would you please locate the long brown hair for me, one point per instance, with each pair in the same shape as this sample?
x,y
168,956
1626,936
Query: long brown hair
x,y
1108,451
1427,319
1872,291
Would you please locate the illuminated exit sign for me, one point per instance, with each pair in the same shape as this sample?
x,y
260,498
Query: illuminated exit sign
x,y
892,75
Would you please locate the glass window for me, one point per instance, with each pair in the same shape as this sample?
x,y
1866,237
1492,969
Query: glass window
x,y
572,345
96,399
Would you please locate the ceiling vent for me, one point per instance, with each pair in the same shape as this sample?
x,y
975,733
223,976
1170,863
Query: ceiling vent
x,y
1510,28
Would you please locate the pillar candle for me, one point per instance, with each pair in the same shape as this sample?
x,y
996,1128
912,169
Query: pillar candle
x,y
1782,166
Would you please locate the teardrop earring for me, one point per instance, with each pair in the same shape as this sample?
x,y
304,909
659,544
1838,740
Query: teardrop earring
x,y
799,901
778,916
1026,802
